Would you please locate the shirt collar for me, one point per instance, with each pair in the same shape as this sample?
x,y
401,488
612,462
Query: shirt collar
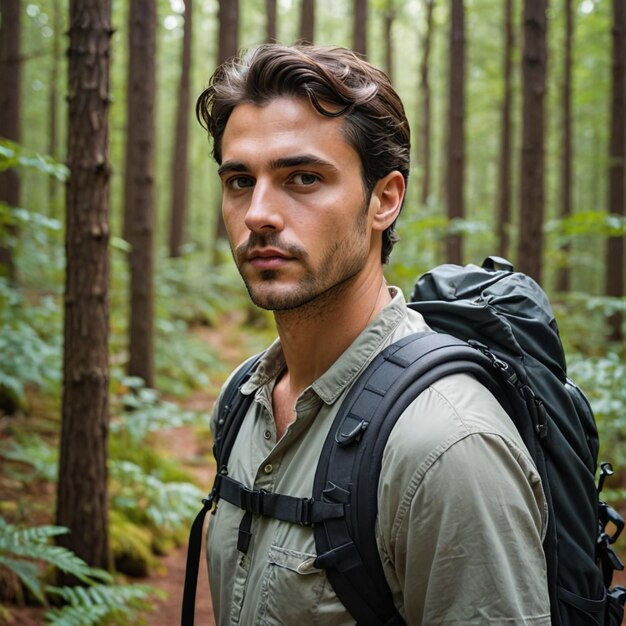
x,y
330,385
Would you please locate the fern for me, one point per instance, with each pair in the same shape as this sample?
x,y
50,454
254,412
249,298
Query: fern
x,y
91,606
146,412
20,547
34,452
167,505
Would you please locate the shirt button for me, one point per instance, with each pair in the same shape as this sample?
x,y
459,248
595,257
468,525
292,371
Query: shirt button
x,y
267,434
268,468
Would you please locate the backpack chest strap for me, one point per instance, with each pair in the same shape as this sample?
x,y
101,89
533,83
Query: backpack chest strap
x,y
304,511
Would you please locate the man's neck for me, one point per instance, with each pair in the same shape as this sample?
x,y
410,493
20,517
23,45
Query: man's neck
x,y
315,336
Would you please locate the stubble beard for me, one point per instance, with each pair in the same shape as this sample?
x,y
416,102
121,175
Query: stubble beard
x,y
317,289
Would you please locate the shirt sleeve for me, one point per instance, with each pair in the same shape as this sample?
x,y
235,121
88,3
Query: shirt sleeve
x,y
461,531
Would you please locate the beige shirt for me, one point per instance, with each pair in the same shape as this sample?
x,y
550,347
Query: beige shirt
x,y
461,511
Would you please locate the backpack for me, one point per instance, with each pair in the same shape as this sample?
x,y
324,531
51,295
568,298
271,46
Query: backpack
x,y
497,325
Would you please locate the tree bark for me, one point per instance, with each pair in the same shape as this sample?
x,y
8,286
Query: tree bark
x,y
503,212
534,67
53,99
139,186
307,21
180,157
10,80
563,275
271,28
360,27
82,504
388,20
426,102
456,129
228,45
617,166
228,16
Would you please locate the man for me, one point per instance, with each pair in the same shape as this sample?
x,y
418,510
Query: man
x,y
313,152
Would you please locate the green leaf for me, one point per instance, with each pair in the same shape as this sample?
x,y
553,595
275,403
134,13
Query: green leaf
x,y
28,573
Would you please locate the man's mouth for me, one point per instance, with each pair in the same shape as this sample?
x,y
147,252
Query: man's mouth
x,y
268,258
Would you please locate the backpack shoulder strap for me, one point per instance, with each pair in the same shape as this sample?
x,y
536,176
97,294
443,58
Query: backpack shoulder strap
x,y
349,467
231,411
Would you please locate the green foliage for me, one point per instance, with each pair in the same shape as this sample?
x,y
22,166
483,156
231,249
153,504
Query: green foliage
x,y
100,604
30,347
145,497
603,378
13,155
21,548
146,412
34,452
589,223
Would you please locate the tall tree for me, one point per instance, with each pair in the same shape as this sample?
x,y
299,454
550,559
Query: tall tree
x,y
425,123
389,17
139,185
271,28
360,27
617,166
10,79
456,129
563,275
307,21
180,156
82,503
503,209
228,44
228,17
534,69
53,99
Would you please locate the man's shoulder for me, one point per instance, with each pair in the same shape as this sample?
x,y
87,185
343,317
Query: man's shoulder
x,y
454,408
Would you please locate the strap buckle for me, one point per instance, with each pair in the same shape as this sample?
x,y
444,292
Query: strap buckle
x,y
305,511
252,500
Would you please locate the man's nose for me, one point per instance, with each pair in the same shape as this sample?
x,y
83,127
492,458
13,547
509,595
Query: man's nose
x,y
264,212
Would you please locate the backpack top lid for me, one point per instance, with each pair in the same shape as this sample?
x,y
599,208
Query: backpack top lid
x,y
503,308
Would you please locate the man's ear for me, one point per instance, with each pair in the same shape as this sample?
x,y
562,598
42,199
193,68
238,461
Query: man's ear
x,y
386,200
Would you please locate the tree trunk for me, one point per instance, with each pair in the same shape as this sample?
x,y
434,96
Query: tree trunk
x,y
456,129
227,47
10,80
53,99
228,15
563,275
178,209
360,27
617,160
271,28
503,213
534,66
139,186
425,96
307,21
82,487
388,19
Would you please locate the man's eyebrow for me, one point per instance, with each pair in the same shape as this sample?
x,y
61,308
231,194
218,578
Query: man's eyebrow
x,y
300,159
231,166
281,163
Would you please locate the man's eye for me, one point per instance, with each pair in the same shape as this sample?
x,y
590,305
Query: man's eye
x,y
305,179
240,182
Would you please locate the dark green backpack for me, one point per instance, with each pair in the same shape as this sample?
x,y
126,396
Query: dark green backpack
x,y
497,325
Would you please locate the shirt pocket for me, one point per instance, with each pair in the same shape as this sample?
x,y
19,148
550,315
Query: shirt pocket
x,y
294,591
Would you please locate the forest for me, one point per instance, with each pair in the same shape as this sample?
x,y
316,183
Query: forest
x,y
122,313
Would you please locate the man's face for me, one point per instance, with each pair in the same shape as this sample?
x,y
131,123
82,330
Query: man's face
x,y
293,203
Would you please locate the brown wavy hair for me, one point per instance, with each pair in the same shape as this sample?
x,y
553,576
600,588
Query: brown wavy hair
x,y
337,83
